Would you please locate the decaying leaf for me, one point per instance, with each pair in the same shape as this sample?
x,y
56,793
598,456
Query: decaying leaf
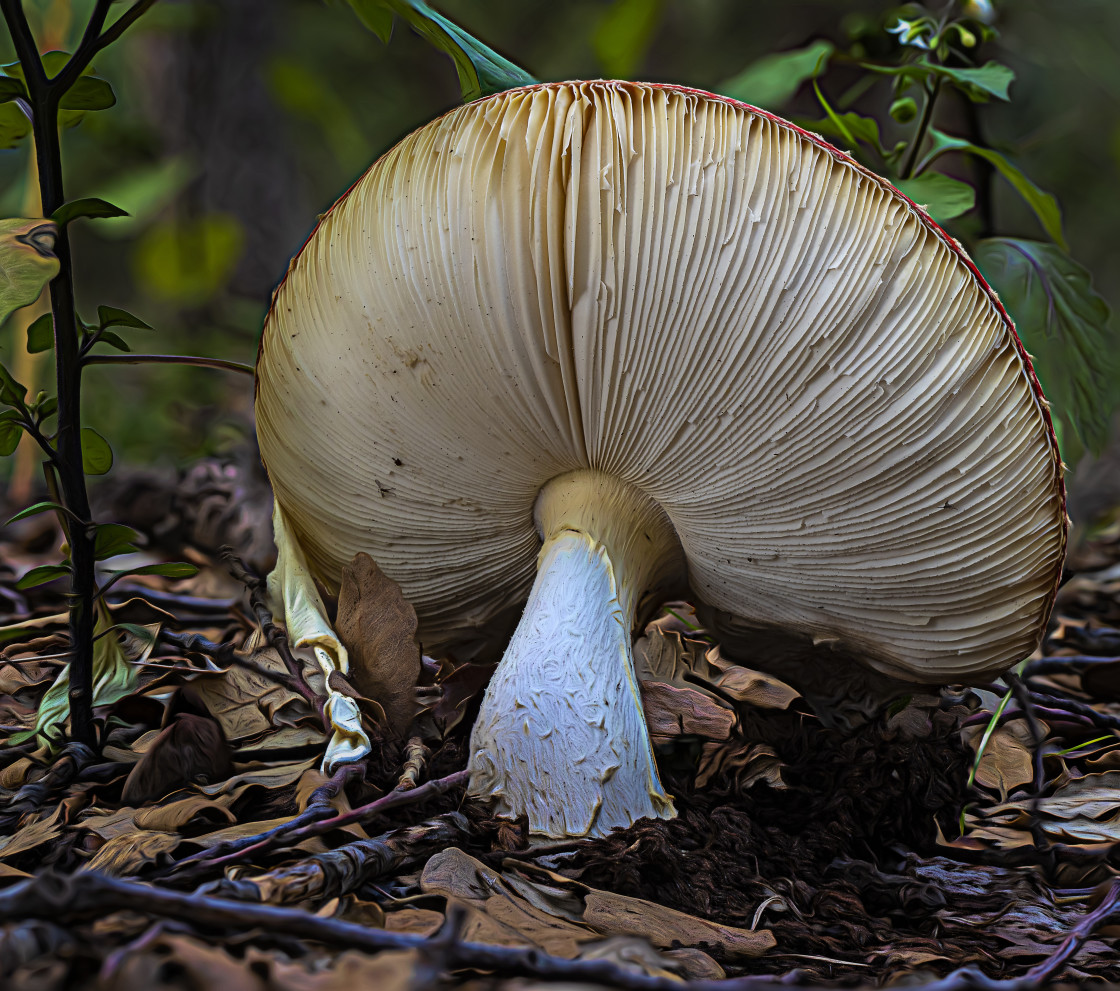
x,y
1007,762
672,712
246,703
191,748
533,906
126,853
378,627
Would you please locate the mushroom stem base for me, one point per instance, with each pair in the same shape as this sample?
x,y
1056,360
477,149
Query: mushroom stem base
x,y
561,736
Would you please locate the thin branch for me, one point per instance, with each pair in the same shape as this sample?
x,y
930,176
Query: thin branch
x,y
76,64
27,51
94,40
923,127
294,832
167,359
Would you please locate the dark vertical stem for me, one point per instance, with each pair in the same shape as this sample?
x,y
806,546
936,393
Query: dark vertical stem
x,y
920,133
44,99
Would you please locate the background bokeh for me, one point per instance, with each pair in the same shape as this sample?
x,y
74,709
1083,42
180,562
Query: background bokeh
x,y
239,121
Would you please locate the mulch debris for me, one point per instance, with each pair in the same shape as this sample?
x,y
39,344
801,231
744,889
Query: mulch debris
x,y
960,838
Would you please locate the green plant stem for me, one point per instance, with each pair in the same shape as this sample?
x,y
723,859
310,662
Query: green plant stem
x,y
920,133
167,359
44,96
44,99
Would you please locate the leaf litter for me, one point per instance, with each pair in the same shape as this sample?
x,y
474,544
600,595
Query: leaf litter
x,y
203,847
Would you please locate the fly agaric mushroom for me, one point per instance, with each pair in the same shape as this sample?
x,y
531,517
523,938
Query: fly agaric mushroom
x,y
673,338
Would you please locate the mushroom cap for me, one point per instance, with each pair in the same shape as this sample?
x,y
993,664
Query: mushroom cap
x,y
702,300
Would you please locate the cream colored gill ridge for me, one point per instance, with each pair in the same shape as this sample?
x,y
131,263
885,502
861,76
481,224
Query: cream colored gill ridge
x,y
699,301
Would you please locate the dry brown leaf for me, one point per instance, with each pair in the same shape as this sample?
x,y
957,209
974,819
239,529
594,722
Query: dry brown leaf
x,y
422,921
670,657
32,834
15,774
743,763
377,625
1008,759
272,775
108,824
238,831
192,748
747,685
193,964
196,809
125,854
673,711
560,915
313,778
390,970
247,704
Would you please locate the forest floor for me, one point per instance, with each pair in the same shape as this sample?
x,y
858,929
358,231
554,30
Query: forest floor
x,y
202,847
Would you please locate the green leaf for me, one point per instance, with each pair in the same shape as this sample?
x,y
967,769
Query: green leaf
x,y
111,539
12,89
377,17
481,70
1044,205
90,206
48,407
97,455
144,634
1064,324
10,434
991,79
43,574
110,316
622,37
978,84
11,391
113,340
35,510
170,569
88,93
27,261
848,127
113,678
943,196
14,126
40,335
773,79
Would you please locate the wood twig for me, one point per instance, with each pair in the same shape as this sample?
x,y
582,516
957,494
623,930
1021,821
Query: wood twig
x,y
416,754
318,807
346,868
292,833
89,895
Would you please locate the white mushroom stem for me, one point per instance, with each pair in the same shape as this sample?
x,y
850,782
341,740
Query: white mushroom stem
x,y
561,736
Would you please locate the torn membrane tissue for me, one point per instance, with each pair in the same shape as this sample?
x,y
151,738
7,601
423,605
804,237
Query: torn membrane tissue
x,y
294,596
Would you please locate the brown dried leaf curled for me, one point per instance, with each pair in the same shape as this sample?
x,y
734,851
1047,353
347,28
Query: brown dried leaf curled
x,y
377,625
192,748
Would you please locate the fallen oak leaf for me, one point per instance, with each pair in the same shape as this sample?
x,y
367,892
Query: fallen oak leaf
x,y
377,625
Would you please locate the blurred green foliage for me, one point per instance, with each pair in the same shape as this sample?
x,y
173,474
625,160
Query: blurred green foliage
x,y
236,124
